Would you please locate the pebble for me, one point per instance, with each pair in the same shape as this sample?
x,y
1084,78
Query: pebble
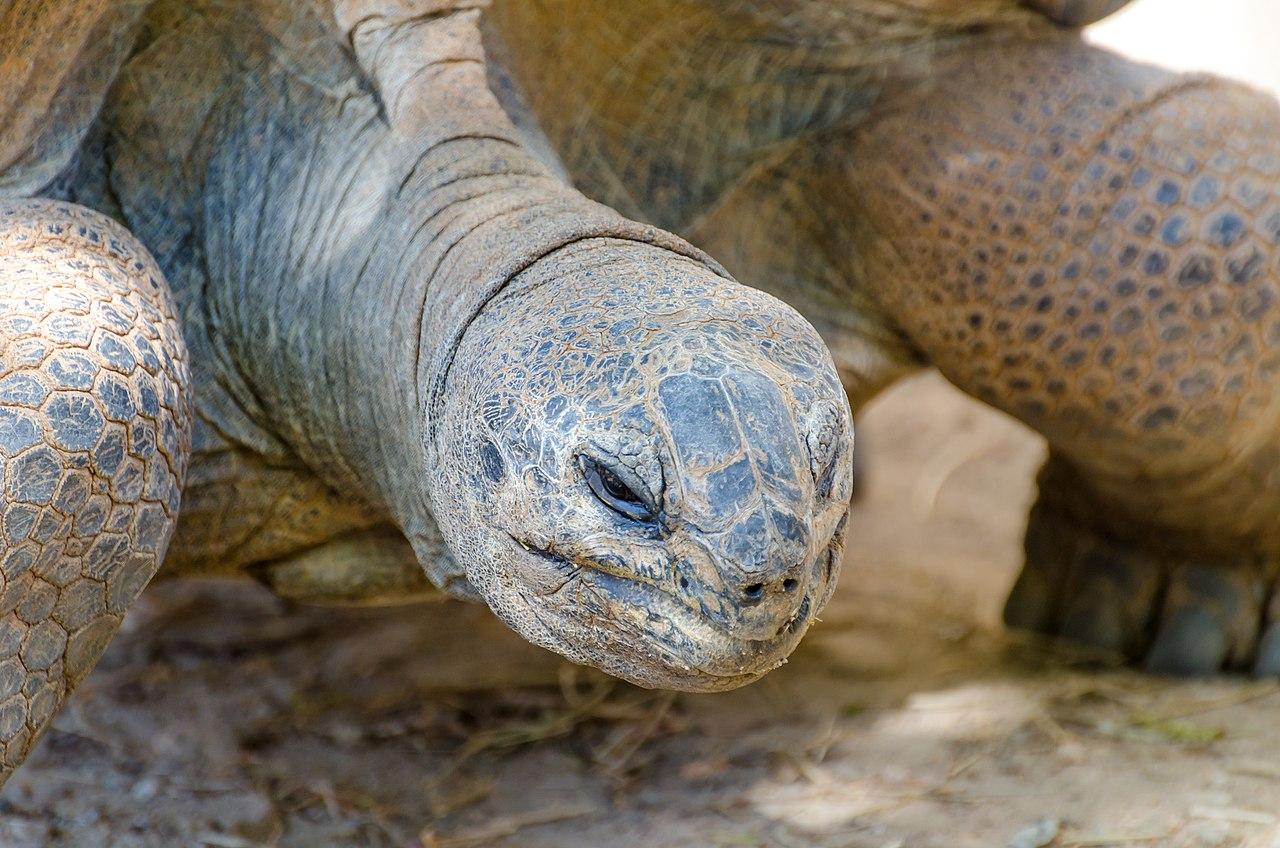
x,y
1038,835
145,789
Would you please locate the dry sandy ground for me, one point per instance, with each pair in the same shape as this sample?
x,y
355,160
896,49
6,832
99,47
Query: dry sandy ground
x,y
221,718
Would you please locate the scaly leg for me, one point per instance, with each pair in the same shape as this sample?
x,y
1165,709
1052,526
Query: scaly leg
x,y
1094,246
94,436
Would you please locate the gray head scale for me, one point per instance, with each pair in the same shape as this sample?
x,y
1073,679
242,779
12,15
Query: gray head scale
x,y
646,467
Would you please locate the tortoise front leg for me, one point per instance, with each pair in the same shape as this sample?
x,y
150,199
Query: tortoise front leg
x,y
94,436
1093,246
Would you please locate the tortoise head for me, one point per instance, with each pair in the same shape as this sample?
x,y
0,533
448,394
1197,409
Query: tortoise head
x,y
646,467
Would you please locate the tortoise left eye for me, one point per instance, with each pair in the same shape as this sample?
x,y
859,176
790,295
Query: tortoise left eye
x,y
613,491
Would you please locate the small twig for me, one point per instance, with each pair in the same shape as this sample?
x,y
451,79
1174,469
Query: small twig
x,y
224,840
323,790
964,765
1052,728
504,827
442,804
929,487
642,734
1268,771
1104,841
823,742
522,733
809,770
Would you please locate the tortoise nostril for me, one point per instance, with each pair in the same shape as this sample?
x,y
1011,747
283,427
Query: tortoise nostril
x,y
754,593
684,582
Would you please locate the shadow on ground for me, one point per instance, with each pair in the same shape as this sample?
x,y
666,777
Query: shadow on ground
x,y
222,718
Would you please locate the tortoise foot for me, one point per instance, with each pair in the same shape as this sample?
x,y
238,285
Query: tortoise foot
x,y
1168,615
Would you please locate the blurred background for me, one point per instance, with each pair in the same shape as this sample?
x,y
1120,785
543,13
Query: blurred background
x,y
1236,38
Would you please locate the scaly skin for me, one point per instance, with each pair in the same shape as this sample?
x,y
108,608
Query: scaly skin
x,y
94,439
328,170
1087,243
1099,258
710,118
357,238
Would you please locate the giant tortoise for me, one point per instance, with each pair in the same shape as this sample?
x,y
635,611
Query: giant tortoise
x,y
298,289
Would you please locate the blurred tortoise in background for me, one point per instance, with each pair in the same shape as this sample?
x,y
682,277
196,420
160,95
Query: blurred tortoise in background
x,y
295,261
1087,243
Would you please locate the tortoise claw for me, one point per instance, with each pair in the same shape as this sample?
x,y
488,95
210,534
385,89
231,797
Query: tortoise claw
x,y
1267,662
1191,642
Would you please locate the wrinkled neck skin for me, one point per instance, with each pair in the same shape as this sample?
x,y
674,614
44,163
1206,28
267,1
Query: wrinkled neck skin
x,y
711,119
350,246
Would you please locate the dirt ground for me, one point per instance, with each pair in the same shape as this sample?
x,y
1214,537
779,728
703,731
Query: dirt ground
x,y
222,718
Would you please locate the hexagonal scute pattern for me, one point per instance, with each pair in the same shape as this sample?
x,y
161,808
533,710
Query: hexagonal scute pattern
x,y
94,440
1094,246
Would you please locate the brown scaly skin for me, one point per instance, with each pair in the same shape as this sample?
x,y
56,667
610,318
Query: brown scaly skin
x,y
418,359
1116,291
1087,243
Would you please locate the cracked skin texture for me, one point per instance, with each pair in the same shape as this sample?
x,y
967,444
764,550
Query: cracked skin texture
x,y
1087,243
287,293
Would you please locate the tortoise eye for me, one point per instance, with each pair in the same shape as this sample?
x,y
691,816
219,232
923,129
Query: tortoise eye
x,y
614,492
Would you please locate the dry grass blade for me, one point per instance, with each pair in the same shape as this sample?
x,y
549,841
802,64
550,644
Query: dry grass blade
x,y
1176,730
1235,815
617,755
1105,841
1247,695
581,709
446,798
1252,768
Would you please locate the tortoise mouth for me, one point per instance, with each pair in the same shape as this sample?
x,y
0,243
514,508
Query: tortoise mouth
x,y
595,613
572,566
561,571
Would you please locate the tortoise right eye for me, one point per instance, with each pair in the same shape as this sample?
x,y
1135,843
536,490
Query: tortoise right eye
x,y
613,491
